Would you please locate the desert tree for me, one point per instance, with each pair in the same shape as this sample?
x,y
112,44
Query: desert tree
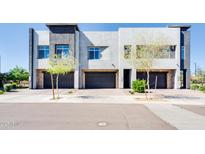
x,y
60,65
143,55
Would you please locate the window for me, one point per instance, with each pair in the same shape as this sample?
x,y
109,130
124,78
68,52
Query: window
x,y
182,57
127,51
182,52
94,52
62,49
157,51
43,51
172,48
172,51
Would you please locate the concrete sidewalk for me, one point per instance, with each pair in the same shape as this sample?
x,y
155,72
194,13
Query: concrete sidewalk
x,y
178,117
76,96
68,99
120,96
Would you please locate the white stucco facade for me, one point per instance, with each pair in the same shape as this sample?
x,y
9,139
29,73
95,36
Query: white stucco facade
x,y
144,36
111,58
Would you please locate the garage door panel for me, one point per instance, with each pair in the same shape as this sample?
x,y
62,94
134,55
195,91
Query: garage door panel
x,y
100,80
64,81
161,79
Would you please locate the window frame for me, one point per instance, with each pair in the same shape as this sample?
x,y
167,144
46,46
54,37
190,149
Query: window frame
x,y
128,50
96,52
45,54
62,49
168,50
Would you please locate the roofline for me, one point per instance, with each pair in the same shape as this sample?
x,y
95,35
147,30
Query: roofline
x,y
186,27
63,24
141,27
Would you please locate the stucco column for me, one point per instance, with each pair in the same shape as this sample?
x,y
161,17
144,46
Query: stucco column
x,y
133,76
77,72
177,79
76,79
34,78
40,79
121,77
188,74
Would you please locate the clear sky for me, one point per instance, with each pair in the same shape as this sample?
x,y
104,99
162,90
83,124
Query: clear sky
x,y
14,41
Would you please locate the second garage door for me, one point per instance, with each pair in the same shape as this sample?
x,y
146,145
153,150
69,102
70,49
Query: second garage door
x,y
100,80
160,78
64,81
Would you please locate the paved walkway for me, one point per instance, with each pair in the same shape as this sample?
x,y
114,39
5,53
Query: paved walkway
x,y
181,96
178,117
198,109
116,96
68,99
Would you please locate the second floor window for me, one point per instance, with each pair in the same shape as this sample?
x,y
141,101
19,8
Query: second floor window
x,y
94,52
43,51
62,49
156,51
127,51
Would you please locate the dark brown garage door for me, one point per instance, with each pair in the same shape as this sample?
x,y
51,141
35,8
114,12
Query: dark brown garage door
x,y
160,76
100,80
64,81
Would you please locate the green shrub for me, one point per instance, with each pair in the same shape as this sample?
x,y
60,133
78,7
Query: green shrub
x,y
195,86
1,92
202,88
8,87
139,86
14,85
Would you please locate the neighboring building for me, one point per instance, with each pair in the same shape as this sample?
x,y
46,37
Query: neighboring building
x,y
100,57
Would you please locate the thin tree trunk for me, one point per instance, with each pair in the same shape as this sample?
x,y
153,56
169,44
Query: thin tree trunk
x,y
57,86
148,87
146,93
53,92
155,86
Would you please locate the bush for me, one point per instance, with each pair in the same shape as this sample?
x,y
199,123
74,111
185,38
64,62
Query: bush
x,y
8,87
202,88
195,86
139,86
14,85
1,92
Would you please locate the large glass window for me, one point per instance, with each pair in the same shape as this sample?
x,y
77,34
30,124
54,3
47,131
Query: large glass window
x,y
62,49
157,51
43,51
94,52
127,51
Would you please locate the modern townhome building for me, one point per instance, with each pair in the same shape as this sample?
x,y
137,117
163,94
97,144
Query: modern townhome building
x,y
100,60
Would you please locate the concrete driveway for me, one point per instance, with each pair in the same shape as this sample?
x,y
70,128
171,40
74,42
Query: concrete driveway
x,y
102,109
